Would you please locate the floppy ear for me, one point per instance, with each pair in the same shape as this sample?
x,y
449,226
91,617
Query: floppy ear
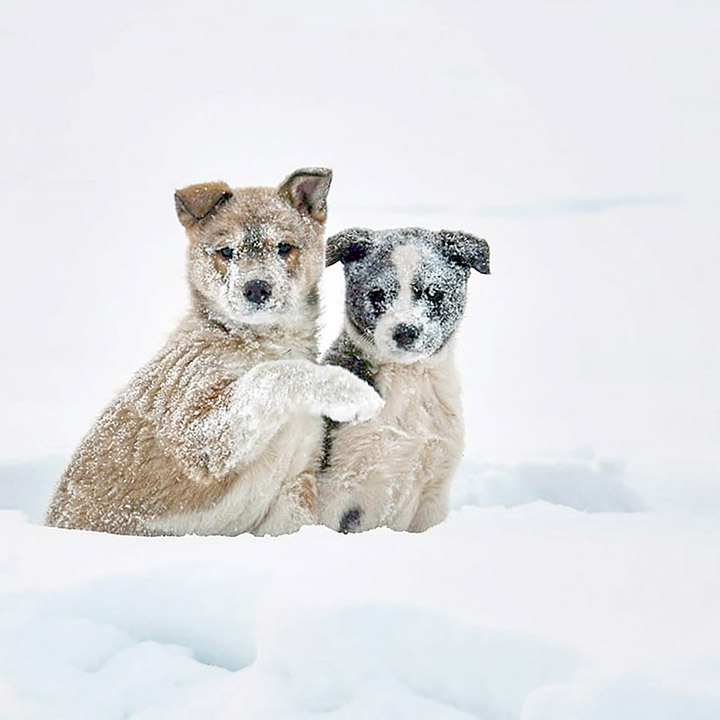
x,y
347,246
196,202
465,250
306,190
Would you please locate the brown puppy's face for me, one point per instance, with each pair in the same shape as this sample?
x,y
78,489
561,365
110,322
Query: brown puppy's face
x,y
256,254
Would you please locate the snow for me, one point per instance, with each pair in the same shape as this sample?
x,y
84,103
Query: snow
x,y
533,612
590,484
578,576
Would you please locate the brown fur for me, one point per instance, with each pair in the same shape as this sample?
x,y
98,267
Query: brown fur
x,y
127,470
292,261
196,202
220,263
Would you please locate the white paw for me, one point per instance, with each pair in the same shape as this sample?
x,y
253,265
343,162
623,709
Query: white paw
x,y
350,399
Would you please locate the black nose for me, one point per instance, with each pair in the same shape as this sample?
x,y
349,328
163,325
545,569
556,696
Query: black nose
x,y
257,291
405,335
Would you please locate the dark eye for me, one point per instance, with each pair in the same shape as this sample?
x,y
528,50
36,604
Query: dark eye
x,y
354,252
284,249
434,294
377,298
226,252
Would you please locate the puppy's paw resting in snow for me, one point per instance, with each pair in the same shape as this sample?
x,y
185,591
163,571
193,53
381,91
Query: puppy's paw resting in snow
x,y
347,398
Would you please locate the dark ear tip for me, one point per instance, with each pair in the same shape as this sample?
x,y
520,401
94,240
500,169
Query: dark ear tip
x,y
356,234
466,249
320,172
347,246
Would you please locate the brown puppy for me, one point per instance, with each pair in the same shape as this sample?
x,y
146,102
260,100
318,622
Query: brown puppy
x,y
221,432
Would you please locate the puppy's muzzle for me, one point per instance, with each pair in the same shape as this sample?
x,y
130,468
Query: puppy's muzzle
x,y
257,292
405,336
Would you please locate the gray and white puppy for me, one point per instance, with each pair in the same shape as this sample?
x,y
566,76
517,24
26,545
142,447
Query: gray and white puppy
x,y
405,297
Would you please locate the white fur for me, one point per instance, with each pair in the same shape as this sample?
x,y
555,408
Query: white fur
x,y
255,503
405,258
397,468
274,420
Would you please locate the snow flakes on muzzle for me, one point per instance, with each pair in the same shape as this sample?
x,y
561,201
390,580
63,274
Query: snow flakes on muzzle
x,y
406,288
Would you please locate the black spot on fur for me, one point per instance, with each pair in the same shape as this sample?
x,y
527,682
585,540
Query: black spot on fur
x,y
329,427
350,521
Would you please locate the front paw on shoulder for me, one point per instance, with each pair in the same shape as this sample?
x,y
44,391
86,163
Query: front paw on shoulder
x,y
351,399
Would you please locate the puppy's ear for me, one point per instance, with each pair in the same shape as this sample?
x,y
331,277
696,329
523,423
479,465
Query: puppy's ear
x,y
465,250
196,202
306,190
347,246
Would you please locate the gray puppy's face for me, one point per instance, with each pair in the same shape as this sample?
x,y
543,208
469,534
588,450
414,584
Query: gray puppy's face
x,y
406,288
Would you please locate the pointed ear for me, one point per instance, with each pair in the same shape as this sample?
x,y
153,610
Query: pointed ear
x,y
348,246
466,250
306,190
196,202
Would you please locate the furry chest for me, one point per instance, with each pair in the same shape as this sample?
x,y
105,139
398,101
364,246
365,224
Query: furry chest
x,y
418,405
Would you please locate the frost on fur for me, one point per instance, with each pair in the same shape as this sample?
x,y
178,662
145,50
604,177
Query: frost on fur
x,y
222,431
405,297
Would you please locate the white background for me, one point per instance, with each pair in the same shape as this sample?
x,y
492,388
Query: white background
x,y
580,139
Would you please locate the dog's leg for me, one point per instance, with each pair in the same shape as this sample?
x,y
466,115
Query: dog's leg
x,y
294,506
357,506
340,507
214,433
357,495
433,507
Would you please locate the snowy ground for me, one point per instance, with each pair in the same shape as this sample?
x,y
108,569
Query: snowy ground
x,y
578,577
516,608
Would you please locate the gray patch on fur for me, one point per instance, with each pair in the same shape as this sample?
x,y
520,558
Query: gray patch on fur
x,y
350,521
345,353
438,286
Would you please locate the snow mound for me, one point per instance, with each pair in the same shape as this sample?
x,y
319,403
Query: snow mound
x,y
531,613
27,486
591,485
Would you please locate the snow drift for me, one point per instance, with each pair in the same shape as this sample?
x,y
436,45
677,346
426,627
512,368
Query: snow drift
x,y
538,612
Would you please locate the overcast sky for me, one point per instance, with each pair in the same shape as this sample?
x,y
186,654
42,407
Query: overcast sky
x,y
579,138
